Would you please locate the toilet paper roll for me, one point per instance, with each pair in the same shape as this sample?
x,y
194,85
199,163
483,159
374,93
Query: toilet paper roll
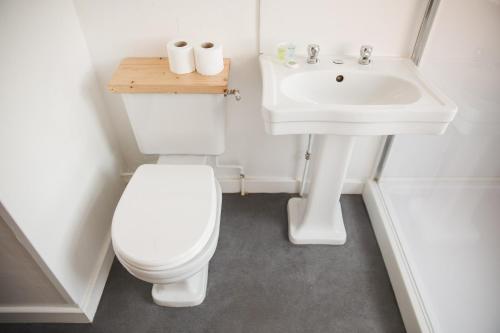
x,y
209,58
180,57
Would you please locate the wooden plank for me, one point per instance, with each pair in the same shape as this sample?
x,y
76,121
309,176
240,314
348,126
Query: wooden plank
x,y
152,75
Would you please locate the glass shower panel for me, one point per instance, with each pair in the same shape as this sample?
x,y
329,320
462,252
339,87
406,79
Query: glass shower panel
x,y
443,192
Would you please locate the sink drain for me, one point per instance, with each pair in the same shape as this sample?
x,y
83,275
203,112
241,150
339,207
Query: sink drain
x,y
339,78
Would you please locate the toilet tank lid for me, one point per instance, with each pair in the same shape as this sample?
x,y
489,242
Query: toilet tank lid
x,y
166,215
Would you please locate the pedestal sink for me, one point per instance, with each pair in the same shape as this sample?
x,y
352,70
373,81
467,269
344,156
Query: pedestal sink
x,y
338,102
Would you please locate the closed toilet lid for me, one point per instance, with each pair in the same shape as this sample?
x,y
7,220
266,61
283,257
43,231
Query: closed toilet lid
x,y
166,215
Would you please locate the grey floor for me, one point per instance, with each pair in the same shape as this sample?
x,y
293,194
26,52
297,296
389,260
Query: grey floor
x,y
260,282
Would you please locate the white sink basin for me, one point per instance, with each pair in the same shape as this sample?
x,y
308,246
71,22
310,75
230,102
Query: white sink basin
x,y
385,97
356,88
342,101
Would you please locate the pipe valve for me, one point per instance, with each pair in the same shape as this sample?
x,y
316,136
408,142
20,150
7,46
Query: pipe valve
x,y
235,92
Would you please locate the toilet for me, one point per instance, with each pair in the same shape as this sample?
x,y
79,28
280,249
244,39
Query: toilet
x,y
166,225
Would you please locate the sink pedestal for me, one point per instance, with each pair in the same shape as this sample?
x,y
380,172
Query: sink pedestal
x,y
317,218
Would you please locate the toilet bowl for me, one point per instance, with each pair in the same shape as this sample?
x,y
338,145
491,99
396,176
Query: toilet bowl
x,y
166,224
165,230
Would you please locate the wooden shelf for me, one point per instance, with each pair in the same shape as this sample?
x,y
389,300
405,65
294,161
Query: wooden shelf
x,y
152,75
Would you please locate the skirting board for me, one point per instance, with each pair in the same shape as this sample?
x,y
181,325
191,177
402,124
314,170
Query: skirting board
x,y
273,184
99,277
69,313
42,314
410,303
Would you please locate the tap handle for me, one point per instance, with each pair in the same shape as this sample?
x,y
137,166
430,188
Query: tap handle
x,y
366,51
313,50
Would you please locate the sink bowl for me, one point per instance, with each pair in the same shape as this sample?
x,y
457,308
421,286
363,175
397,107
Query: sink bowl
x,y
384,98
349,88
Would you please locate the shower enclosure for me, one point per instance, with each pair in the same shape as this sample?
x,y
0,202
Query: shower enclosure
x,y
435,201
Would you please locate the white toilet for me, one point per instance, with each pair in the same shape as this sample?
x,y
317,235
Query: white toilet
x,y
166,224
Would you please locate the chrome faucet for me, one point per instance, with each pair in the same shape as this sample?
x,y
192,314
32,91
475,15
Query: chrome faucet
x,y
312,52
364,54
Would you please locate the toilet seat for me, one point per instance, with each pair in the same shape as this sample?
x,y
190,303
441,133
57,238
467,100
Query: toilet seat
x,y
166,216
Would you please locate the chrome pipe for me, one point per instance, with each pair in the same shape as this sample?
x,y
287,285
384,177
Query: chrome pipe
x,y
307,157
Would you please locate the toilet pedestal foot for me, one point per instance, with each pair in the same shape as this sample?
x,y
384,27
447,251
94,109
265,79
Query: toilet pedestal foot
x,y
188,292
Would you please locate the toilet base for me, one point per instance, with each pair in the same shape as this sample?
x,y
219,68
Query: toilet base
x,y
188,292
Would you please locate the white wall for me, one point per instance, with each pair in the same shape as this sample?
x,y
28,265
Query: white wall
x,y
463,59
115,29
21,279
59,170
341,27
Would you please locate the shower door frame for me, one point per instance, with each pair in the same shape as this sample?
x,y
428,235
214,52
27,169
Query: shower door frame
x,y
411,305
